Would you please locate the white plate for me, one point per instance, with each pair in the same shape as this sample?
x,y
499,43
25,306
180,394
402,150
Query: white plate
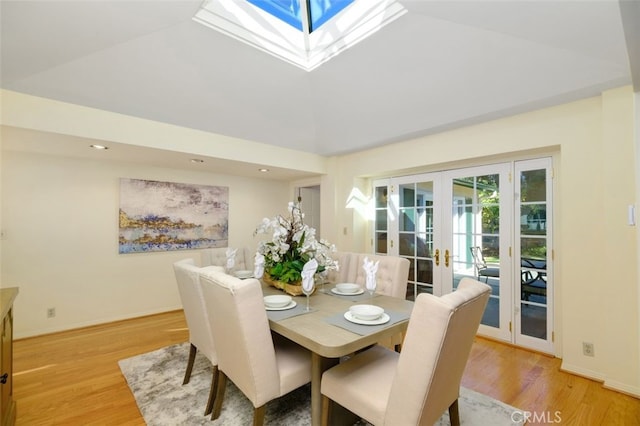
x,y
383,319
243,274
283,308
338,292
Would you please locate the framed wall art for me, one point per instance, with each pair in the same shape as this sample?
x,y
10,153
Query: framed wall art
x,y
164,216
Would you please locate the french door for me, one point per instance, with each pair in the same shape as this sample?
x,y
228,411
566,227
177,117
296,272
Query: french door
x,y
408,210
533,309
439,220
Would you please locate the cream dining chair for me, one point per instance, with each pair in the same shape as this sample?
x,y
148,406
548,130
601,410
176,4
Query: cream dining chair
x,y
195,312
261,366
416,386
391,278
218,257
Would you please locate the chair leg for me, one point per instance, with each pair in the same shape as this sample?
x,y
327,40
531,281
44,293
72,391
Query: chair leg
x,y
212,391
192,357
454,414
217,405
326,410
258,415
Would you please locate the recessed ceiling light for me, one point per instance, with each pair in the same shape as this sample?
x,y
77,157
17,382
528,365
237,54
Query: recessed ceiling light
x,y
263,170
197,160
99,147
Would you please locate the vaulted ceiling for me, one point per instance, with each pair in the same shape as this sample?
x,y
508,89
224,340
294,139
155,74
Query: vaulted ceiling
x,y
442,65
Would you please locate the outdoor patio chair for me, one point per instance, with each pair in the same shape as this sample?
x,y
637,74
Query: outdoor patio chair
x,y
481,267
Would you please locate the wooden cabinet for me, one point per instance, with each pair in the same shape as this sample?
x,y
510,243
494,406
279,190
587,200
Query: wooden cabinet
x,y
7,404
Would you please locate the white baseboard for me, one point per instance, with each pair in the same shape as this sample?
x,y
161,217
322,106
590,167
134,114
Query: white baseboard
x,y
67,327
584,372
606,383
622,387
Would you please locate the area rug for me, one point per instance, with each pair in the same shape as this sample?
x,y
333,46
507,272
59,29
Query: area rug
x,y
155,379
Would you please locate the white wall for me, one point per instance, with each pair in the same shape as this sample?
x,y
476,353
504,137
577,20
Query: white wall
x,y
1,198
60,217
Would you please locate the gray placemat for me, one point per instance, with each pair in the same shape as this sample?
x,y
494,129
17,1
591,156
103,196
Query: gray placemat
x,y
299,309
363,330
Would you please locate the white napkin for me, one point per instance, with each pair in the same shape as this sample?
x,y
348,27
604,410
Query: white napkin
x,y
259,266
231,258
308,271
370,269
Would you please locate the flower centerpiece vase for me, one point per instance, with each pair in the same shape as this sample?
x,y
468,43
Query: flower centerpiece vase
x,y
292,244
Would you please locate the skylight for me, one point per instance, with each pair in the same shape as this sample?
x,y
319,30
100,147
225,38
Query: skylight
x,y
314,12
305,33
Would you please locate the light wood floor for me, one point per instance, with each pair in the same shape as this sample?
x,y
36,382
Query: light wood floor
x,y
72,378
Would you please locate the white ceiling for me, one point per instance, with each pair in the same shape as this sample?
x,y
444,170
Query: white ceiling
x,y
444,64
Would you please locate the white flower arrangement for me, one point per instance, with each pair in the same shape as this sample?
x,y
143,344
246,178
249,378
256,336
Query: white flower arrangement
x,y
292,245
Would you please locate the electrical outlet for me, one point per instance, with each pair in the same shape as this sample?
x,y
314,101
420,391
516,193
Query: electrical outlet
x,y
587,349
51,312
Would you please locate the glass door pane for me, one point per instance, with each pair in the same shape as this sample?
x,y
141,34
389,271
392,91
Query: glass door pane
x,y
533,319
416,234
476,230
480,233
381,217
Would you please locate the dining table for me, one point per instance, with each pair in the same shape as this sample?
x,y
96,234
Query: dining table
x,y
325,331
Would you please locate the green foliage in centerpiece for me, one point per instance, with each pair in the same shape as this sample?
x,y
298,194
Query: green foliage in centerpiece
x,y
292,245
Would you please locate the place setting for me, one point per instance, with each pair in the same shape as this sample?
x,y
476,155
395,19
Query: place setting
x,y
364,319
279,302
243,274
355,292
349,291
367,315
282,306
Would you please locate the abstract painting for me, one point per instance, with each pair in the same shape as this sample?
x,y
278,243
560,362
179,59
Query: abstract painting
x,y
164,216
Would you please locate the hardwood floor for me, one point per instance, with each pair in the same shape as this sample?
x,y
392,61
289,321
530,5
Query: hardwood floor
x,y
73,378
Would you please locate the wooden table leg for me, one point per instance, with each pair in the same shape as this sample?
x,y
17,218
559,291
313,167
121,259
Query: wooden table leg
x,y
318,365
316,396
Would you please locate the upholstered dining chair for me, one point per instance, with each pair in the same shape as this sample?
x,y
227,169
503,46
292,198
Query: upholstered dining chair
x,y
391,278
217,256
195,312
416,386
261,366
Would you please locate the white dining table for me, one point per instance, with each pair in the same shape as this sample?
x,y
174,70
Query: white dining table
x,y
328,336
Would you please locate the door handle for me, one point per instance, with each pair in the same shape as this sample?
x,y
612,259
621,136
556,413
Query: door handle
x,y
437,256
446,258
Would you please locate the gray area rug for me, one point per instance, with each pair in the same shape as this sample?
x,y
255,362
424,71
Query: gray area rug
x,y
155,379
